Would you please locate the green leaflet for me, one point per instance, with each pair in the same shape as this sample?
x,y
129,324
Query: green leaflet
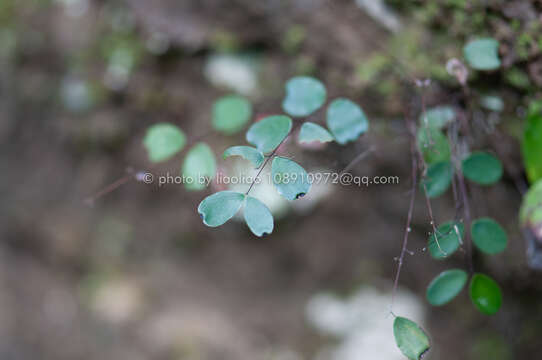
x,y
289,178
346,120
446,286
433,144
218,208
268,133
482,54
410,338
231,113
482,168
162,141
447,240
246,152
437,117
438,178
258,217
485,294
313,132
199,167
488,236
304,95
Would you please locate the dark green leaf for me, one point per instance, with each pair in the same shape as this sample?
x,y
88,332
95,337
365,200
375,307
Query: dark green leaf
x,y
163,140
482,168
304,95
290,179
247,152
410,338
446,286
231,113
447,240
485,294
199,167
258,217
313,132
218,208
482,54
269,132
531,147
438,178
488,236
346,120
433,144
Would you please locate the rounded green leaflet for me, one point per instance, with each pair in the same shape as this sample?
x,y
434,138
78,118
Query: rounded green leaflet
x,y
249,153
231,113
304,95
438,178
346,120
437,117
482,168
531,147
445,286
488,236
290,179
433,144
485,294
258,217
492,102
269,132
218,208
530,213
162,141
482,54
313,132
410,338
199,167
447,240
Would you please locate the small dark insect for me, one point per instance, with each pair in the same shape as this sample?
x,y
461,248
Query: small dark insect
x,y
300,195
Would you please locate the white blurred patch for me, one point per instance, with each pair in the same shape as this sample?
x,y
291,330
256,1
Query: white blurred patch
x,y
378,10
362,322
74,8
76,94
117,301
233,72
266,192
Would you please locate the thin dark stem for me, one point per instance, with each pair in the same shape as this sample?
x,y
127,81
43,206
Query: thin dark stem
x,y
414,165
358,158
267,159
466,211
109,188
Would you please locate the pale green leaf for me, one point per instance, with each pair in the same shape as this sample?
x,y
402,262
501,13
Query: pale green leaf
x,y
268,133
231,113
290,179
488,236
247,152
304,95
482,54
258,217
218,208
410,338
531,207
162,141
199,167
482,168
446,286
485,294
346,120
313,132
492,102
437,117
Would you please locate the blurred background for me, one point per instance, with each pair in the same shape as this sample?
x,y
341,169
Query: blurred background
x,y
134,274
